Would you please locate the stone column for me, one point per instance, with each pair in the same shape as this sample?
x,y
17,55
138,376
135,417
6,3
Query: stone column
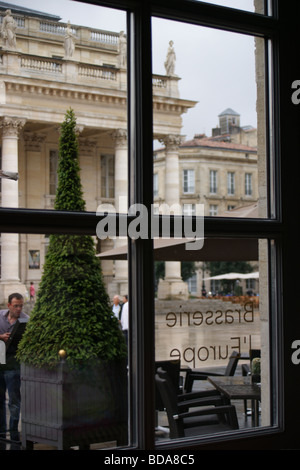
x,y
10,281
120,284
172,286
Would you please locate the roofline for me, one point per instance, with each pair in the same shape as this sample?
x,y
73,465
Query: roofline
x,y
27,11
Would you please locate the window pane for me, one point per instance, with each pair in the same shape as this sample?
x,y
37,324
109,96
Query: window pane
x,y
74,307
210,304
257,6
69,55
209,119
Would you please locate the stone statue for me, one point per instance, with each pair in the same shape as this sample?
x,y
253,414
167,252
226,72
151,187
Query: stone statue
x,y
8,31
122,50
69,42
170,60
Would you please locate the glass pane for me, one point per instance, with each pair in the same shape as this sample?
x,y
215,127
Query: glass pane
x,y
209,120
73,354
62,55
254,6
212,316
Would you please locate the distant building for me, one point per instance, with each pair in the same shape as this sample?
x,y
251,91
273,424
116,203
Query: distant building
x,y
46,67
218,171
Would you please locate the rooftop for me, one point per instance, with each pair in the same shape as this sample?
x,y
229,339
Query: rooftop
x,y
17,9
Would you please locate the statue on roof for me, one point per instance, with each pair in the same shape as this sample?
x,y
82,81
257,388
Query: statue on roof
x,y
8,31
122,49
69,42
170,60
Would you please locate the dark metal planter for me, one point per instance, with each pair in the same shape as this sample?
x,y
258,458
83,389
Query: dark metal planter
x,y
65,408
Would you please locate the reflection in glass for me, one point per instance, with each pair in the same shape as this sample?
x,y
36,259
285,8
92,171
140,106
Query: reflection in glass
x,y
212,317
209,120
65,55
257,6
70,294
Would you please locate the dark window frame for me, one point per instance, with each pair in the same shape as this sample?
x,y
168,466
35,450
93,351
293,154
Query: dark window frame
x,y
282,29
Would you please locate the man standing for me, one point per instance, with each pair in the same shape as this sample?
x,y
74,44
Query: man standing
x,y
124,317
117,307
10,372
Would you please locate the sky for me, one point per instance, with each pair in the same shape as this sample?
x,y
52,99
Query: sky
x,y
216,68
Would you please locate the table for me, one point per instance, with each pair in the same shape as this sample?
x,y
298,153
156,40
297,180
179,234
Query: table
x,y
239,388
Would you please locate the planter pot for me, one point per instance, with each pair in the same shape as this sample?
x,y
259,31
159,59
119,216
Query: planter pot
x,y
65,408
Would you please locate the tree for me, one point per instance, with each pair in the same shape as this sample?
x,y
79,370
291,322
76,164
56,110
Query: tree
x,y
72,311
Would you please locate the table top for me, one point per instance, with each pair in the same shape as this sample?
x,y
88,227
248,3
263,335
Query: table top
x,y
236,387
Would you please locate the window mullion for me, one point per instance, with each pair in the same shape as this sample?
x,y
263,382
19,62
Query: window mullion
x,y
140,251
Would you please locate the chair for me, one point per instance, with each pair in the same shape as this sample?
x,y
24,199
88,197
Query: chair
x,y
191,417
172,368
193,375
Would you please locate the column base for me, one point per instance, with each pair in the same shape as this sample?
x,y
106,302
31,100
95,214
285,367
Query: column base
x,y
10,287
172,289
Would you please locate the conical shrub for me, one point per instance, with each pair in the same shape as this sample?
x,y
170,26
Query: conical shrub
x,y
72,311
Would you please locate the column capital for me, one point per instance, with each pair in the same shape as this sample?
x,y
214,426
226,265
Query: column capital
x,y
119,137
171,141
11,126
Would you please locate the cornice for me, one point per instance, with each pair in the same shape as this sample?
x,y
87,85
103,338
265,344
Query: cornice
x,y
65,93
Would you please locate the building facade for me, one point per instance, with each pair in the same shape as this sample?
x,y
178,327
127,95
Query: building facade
x,y
220,172
46,67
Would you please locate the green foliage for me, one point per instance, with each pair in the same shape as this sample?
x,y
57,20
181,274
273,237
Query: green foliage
x,y
72,311
256,366
69,191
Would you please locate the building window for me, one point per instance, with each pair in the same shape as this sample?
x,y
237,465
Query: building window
x,y
53,164
213,182
155,185
230,183
107,176
188,181
213,209
192,284
248,184
189,209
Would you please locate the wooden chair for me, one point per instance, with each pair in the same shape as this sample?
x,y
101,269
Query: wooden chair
x,y
192,417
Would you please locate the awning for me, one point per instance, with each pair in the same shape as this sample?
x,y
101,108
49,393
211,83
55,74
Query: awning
x,y
214,249
249,211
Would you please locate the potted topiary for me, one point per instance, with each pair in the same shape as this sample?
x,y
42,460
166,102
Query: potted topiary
x,y
72,354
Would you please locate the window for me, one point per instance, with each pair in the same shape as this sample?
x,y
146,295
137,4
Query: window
x,y
155,185
107,176
53,162
189,209
230,183
188,181
259,241
248,184
213,181
213,209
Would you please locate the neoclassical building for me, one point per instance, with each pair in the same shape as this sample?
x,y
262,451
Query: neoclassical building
x,y
220,172
46,67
